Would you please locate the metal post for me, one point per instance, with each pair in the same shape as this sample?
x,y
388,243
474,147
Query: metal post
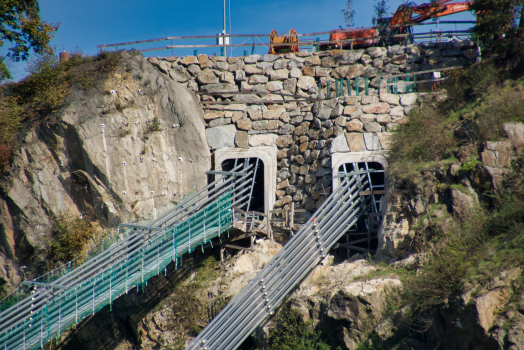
x,y
224,51
292,219
407,85
388,87
328,92
319,90
245,52
349,87
196,53
357,88
379,82
396,86
252,183
414,83
317,47
366,85
336,87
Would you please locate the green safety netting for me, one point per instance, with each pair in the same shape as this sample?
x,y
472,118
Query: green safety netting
x,y
131,270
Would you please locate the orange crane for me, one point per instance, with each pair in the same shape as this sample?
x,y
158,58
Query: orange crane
x,y
403,15
275,40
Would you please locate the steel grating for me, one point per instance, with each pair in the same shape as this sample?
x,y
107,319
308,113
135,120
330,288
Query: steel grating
x,y
58,300
292,264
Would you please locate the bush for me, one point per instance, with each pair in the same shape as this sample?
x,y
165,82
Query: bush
x,y
292,333
426,137
69,238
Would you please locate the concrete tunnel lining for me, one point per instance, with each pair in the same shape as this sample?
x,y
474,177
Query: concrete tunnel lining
x,y
338,159
267,154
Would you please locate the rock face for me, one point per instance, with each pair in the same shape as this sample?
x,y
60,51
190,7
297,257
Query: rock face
x,y
115,154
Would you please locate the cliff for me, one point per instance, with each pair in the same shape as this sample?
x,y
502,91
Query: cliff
x,y
129,146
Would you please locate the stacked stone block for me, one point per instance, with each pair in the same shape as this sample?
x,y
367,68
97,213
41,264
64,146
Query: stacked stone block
x,y
307,133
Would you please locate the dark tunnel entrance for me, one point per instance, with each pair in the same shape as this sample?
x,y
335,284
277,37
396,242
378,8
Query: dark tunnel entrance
x,y
253,200
362,237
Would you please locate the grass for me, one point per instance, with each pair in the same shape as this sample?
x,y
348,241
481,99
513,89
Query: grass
x,y
153,127
291,332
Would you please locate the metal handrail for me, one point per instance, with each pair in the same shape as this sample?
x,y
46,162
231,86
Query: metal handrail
x,y
295,260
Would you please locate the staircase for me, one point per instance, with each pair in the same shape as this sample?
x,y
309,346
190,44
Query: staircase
x,y
43,308
308,247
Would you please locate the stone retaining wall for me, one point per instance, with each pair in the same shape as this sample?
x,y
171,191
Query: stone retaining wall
x,y
305,133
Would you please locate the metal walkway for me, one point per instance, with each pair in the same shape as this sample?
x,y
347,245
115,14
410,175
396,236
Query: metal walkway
x,y
292,264
43,308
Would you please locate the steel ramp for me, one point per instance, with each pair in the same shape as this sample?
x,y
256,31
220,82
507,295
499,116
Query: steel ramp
x,y
264,293
58,300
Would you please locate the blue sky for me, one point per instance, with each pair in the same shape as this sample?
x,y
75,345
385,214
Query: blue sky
x,y
85,24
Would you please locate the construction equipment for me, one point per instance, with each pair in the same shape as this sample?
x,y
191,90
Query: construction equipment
x,y
275,40
395,25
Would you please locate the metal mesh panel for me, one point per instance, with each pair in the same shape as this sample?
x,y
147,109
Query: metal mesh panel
x,y
131,270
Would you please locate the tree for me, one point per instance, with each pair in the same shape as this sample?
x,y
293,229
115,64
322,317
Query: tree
x,y
349,13
21,25
381,9
496,18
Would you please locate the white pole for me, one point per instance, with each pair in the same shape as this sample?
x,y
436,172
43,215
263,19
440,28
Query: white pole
x,y
224,31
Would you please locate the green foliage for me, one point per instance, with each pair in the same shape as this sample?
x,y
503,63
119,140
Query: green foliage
x,y
21,25
426,137
153,127
496,18
381,9
348,13
468,167
193,312
292,333
69,238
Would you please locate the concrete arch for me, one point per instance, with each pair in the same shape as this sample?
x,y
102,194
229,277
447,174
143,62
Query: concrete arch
x,y
268,156
337,159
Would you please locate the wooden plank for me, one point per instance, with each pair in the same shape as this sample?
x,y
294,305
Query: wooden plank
x,y
368,193
345,245
277,211
239,248
355,234
292,217
239,210
239,217
416,82
358,249
236,238
422,72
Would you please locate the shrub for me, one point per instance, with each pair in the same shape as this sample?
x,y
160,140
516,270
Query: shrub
x,y
69,238
426,137
292,333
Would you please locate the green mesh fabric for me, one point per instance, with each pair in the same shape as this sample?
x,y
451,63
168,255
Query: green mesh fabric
x,y
132,270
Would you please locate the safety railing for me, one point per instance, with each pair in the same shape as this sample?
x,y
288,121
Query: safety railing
x,y
313,43
260,298
50,308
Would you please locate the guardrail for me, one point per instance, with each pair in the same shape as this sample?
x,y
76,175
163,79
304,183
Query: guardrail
x,y
49,308
314,43
308,247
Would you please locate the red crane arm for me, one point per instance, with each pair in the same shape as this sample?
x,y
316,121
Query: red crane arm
x,y
440,11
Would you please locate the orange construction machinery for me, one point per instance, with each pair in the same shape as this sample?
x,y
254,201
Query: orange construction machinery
x,y
275,42
405,14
